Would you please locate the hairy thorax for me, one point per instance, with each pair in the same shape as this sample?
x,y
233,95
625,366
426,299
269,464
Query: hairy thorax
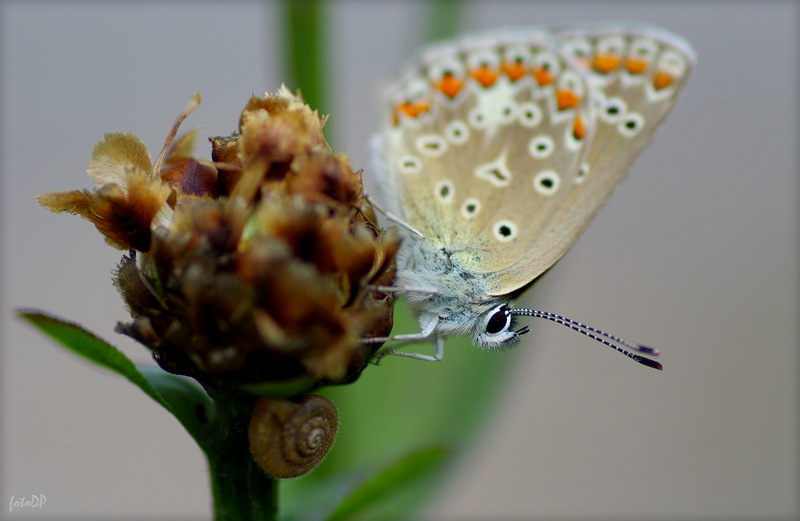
x,y
456,296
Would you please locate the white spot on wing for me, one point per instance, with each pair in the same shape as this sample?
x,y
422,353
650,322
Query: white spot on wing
x,y
432,145
541,146
613,110
581,177
631,124
409,165
496,171
444,191
547,182
457,132
504,230
470,208
530,114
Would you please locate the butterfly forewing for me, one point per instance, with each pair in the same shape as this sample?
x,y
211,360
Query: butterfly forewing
x,y
635,74
485,138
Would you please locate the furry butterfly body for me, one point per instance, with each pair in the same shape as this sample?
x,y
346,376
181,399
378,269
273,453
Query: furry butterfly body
x,y
498,150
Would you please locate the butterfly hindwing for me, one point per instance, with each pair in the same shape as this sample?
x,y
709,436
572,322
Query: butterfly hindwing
x,y
635,74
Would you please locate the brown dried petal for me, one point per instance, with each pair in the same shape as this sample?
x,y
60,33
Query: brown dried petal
x,y
192,178
138,298
388,242
324,177
122,213
182,148
117,155
225,149
285,101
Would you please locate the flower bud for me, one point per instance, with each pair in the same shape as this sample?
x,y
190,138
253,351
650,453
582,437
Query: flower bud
x,y
254,268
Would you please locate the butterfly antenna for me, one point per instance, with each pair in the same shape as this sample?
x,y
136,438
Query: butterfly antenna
x,y
611,341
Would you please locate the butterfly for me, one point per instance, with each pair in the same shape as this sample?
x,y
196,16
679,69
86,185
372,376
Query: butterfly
x,y
498,149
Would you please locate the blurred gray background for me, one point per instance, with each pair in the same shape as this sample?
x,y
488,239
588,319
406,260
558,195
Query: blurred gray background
x,y
696,253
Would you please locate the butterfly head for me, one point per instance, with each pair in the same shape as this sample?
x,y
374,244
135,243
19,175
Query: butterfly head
x,y
495,328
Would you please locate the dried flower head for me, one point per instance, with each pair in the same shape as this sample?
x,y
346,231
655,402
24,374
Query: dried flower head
x,y
253,268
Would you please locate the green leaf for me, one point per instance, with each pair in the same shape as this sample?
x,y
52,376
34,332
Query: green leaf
x,y
187,401
390,481
183,398
327,493
80,341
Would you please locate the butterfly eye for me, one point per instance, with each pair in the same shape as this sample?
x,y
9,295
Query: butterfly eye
x,y
499,321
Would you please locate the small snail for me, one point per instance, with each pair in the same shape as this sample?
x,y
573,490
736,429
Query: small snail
x,y
290,437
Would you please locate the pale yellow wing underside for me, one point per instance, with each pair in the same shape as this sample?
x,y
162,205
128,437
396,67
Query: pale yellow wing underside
x,y
501,147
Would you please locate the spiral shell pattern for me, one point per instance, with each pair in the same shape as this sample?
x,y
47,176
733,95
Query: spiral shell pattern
x,y
288,438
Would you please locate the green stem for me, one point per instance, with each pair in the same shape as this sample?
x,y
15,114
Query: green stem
x,y
444,19
241,491
305,62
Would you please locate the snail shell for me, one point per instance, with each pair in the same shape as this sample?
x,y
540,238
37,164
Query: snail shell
x,y
290,437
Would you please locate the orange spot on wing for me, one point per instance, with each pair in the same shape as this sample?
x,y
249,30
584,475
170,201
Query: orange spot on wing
x,y
635,66
605,63
515,70
413,109
543,76
484,75
566,99
408,109
578,130
662,80
449,85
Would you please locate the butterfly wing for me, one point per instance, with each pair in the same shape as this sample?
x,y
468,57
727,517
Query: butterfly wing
x,y
484,136
501,147
635,73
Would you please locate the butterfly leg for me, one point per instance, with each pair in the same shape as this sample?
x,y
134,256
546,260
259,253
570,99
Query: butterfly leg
x,y
418,356
406,290
395,219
